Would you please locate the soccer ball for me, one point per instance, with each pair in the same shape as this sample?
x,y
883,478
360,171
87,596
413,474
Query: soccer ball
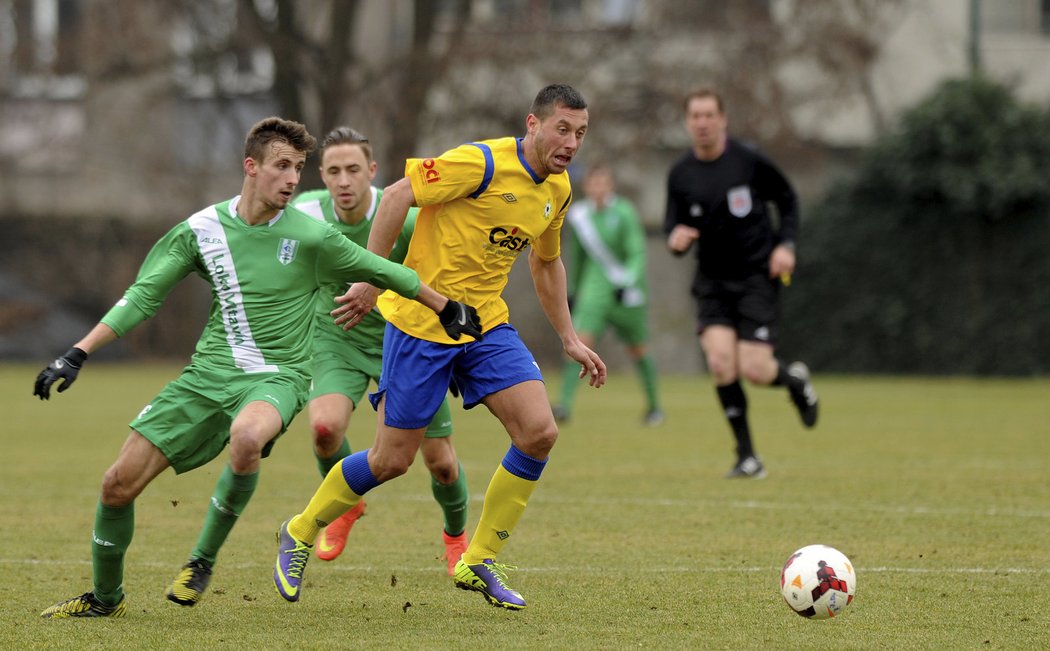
x,y
818,582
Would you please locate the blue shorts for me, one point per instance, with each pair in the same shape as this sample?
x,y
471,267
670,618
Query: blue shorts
x,y
416,373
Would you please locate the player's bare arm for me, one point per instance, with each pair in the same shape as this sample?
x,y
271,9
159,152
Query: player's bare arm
x,y
390,217
548,276
386,226
358,301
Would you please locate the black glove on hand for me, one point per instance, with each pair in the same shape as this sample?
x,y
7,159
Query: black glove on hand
x,y
459,319
64,368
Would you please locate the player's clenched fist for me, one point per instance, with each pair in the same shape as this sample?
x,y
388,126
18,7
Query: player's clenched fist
x,y
64,368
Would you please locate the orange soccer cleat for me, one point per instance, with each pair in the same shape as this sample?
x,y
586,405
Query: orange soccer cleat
x,y
332,540
454,548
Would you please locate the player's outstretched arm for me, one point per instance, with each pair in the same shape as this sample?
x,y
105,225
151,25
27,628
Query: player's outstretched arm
x,y
358,301
549,278
67,366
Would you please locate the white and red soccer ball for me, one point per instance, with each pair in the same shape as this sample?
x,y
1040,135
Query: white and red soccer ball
x,y
818,582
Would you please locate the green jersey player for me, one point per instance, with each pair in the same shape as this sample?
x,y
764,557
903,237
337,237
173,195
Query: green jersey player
x,y
608,284
249,375
346,360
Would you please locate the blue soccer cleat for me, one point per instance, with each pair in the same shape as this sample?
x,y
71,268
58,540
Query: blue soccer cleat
x,y
490,579
292,555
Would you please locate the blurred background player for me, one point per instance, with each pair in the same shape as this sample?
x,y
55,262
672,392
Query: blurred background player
x,y
345,360
718,193
249,375
482,204
607,284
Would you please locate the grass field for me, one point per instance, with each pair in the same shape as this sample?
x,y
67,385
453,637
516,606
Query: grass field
x,y
937,489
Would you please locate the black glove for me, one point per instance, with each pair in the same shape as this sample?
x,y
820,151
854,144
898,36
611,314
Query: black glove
x,y
64,368
458,319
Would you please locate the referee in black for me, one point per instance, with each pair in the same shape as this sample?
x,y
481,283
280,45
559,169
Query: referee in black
x,y
718,194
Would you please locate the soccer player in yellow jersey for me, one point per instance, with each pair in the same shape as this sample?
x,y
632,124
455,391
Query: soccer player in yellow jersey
x,y
482,204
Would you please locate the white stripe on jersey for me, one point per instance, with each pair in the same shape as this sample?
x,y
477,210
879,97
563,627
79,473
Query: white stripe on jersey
x,y
312,208
580,217
211,238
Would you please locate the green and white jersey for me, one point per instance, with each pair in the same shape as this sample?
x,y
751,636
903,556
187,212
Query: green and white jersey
x,y
367,335
264,281
608,251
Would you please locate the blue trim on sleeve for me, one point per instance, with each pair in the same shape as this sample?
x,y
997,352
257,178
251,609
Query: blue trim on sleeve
x,y
525,164
568,200
490,167
357,474
522,465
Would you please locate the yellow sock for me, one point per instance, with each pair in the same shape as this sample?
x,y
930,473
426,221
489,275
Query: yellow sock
x,y
332,499
505,501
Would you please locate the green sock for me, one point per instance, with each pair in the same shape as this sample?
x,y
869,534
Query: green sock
x,y
647,374
231,495
114,529
453,500
325,464
570,381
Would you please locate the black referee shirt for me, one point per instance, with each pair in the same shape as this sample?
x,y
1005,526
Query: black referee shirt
x,y
727,200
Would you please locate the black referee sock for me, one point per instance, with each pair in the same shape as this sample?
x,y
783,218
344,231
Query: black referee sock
x,y
782,379
785,379
734,404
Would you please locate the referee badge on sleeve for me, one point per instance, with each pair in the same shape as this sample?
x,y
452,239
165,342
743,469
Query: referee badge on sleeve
x,y
739,201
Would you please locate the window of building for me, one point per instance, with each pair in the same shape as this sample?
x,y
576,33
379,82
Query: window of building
x,y
40,52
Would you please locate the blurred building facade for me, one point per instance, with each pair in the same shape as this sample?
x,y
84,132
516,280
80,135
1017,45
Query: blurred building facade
x,y
119,118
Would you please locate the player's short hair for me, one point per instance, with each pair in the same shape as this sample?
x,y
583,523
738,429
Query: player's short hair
x,y
556,95
347,136
705,92
275,129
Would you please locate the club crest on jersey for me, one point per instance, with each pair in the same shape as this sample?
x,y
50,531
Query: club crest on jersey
x,y
287,250
547,210
739,201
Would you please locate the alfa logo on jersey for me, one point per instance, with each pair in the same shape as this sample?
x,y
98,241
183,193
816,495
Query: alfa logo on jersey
x,y
739,201
287,250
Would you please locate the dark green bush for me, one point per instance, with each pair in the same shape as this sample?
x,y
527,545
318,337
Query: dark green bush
x,y
935,257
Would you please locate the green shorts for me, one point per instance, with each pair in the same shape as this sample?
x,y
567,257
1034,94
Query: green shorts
x,y
346,370
189,420
592,314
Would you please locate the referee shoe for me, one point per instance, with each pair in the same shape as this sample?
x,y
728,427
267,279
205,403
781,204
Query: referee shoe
x,y
750,467
803,394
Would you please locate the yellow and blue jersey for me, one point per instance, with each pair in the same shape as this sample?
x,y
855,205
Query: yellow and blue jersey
x,y
481,205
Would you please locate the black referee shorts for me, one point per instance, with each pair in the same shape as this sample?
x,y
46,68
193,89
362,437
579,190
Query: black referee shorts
x,y
750,306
